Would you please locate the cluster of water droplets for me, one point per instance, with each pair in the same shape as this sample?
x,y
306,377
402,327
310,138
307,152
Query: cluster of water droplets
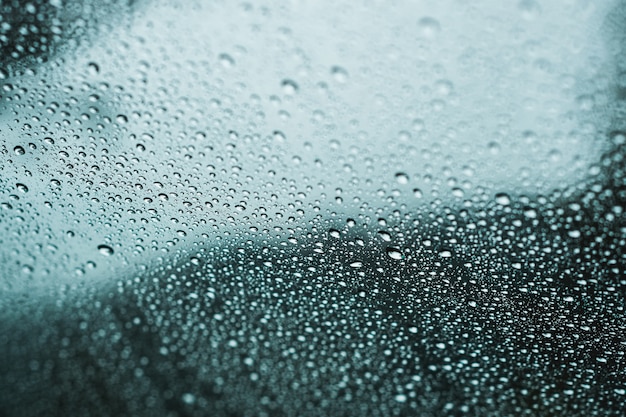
x,y
284,214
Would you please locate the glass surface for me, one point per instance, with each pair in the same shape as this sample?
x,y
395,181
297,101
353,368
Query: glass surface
x,y
364,208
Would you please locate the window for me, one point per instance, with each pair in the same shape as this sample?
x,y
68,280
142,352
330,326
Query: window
x,y
312,208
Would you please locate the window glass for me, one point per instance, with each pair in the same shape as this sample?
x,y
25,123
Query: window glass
x,y
312,208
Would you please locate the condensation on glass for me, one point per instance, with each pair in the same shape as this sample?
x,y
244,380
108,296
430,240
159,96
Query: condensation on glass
x,y
301,208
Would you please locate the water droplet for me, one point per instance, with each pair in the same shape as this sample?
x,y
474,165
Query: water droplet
x,y
189,398
402,178
279,136
226,60
121,119
93,68
503,199
394,253
339,74
530,212
429,27
445,254
289,87
334,233
458,192
105,250
401,398
356,264
22,188
574,234
19,150
530,9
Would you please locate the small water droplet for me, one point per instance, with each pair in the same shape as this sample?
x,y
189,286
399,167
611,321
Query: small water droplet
x,y
289,87
93,68
189,398
458,192
279,136
401,398
356,264
402,178
429,27
105,250
122,119
22,188
226,60
574,234
19,150
339,74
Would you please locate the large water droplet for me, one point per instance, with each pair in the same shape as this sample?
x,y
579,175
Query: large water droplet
x,y
503,199
394,253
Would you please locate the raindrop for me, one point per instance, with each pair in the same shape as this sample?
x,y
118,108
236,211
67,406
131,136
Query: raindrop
x,y
22,188
394,253
105,250
574,234
226,60
429,27
189,398
19,150
530,212
401,398
503,199
402,178
339,74
93,68
289,87
279,136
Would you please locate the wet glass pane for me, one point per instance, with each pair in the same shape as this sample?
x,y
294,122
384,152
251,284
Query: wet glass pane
x,y
365,208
